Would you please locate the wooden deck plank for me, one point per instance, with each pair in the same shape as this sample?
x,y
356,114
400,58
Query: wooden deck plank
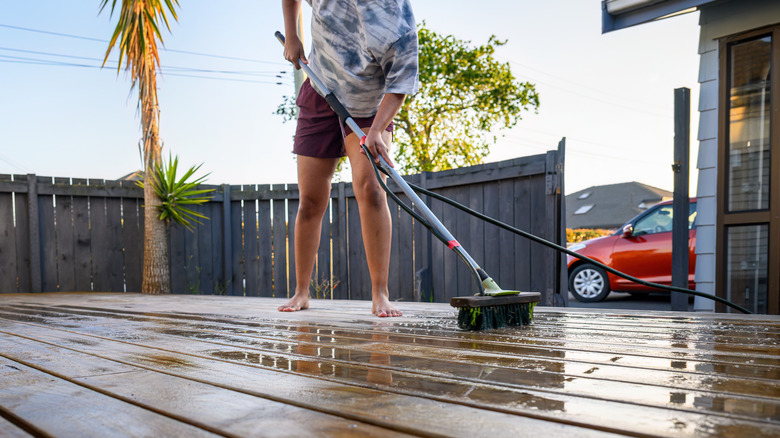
x,y
10,430
381,408
500,396
571,372
585,379
210,407
746,367
528,344
47,402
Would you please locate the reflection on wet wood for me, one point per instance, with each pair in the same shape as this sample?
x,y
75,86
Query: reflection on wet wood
x,y
229,366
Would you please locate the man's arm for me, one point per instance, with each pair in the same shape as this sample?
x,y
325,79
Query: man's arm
x,y
293,47
388,108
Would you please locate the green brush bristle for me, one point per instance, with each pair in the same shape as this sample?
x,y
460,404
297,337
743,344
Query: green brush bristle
x,y
492,317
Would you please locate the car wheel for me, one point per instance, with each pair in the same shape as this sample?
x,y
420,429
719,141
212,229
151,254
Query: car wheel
x,y
588,283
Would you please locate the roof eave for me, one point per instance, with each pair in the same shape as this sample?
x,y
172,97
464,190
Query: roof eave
x,y
619,15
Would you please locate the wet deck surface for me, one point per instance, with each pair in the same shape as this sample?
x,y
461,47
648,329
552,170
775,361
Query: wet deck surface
x,y
177,365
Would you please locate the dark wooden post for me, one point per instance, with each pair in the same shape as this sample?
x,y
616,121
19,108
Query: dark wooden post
x,y
562,284
34,231
227,241
682,124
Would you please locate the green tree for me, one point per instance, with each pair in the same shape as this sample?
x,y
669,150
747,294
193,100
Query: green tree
x,y
465,96
136,35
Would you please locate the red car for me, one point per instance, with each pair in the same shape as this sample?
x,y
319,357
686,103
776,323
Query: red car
x,y
641,248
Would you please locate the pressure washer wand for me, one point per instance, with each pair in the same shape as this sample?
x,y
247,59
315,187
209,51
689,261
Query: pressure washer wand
x,y
441,231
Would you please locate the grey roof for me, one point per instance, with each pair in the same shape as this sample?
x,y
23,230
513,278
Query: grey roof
x,y
138,175
611,205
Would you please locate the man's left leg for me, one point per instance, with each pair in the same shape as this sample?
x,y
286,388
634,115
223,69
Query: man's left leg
x,y
375,222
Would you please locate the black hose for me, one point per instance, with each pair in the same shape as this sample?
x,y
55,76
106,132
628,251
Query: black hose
x,y
572,253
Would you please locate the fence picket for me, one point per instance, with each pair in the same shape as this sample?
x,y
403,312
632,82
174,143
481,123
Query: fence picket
x,y
23,263
8,255
48,241
66,255
133,238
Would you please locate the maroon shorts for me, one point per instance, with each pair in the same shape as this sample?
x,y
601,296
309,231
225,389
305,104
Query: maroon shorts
x,y
320,133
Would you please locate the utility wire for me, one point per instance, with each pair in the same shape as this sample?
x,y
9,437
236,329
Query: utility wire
x,y
579,85
37,61
530,143
165,67
186,52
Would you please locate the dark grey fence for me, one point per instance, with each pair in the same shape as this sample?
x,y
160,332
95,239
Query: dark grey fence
x,y
61,234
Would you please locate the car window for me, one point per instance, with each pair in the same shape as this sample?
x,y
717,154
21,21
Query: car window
x,y
691,215
658,221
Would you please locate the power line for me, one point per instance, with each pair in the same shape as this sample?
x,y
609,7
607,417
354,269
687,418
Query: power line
x,y
186,52
242,72
572,82
529,143
38,61
8,161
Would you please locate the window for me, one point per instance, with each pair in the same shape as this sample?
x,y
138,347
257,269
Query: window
x,y
658,221
584,209
748,154
748,227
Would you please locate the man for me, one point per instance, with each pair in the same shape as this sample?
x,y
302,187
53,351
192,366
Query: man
x,y
366,53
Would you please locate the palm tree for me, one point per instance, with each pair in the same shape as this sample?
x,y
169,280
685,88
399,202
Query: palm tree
x,y
136,34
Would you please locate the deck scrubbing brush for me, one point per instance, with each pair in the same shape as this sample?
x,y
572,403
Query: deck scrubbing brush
x,y
492,307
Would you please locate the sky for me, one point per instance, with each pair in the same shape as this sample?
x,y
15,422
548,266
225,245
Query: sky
x,y
610,95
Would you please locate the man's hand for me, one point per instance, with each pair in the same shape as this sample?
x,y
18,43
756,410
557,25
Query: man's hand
x,y
375,142
377,146
293,47
293,50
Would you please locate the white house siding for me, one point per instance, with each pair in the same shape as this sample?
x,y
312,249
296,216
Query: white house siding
x,y
717,21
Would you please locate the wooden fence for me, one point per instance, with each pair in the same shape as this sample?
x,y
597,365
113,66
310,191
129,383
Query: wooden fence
x,y
62,234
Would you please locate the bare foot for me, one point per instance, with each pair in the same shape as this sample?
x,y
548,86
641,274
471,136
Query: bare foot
x,y
295,304
382,307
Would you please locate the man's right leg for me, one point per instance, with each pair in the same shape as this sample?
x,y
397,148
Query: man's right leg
x,y
314,176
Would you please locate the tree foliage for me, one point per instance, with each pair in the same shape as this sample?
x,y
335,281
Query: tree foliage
x,y
465,96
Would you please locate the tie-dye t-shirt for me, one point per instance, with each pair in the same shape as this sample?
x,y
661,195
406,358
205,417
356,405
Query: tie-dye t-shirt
x,y
362,49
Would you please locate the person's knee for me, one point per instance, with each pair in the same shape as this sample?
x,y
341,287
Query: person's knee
x,y
311,209
370,193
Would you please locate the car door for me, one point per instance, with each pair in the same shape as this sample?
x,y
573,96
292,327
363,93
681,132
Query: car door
x,y
647,253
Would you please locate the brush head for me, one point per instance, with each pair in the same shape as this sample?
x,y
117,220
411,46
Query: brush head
x,y
481,312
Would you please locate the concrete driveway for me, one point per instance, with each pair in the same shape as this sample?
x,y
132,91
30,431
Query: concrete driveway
x,y
623,300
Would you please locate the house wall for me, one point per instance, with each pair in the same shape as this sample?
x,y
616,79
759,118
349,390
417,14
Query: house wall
x,y
717,21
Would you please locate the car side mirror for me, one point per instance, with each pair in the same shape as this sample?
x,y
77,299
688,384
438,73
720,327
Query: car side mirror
x,y
628,231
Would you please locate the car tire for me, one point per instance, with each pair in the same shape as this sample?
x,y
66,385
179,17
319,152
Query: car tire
x,y
588,283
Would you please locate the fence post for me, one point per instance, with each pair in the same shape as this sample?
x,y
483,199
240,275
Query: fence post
x,y
562,285
680,236
34,232
227,241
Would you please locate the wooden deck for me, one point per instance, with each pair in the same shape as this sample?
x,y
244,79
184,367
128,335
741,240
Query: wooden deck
x,y
139,365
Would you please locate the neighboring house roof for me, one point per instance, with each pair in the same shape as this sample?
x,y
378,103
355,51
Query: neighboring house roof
x,y
138,175
610,206
619,14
